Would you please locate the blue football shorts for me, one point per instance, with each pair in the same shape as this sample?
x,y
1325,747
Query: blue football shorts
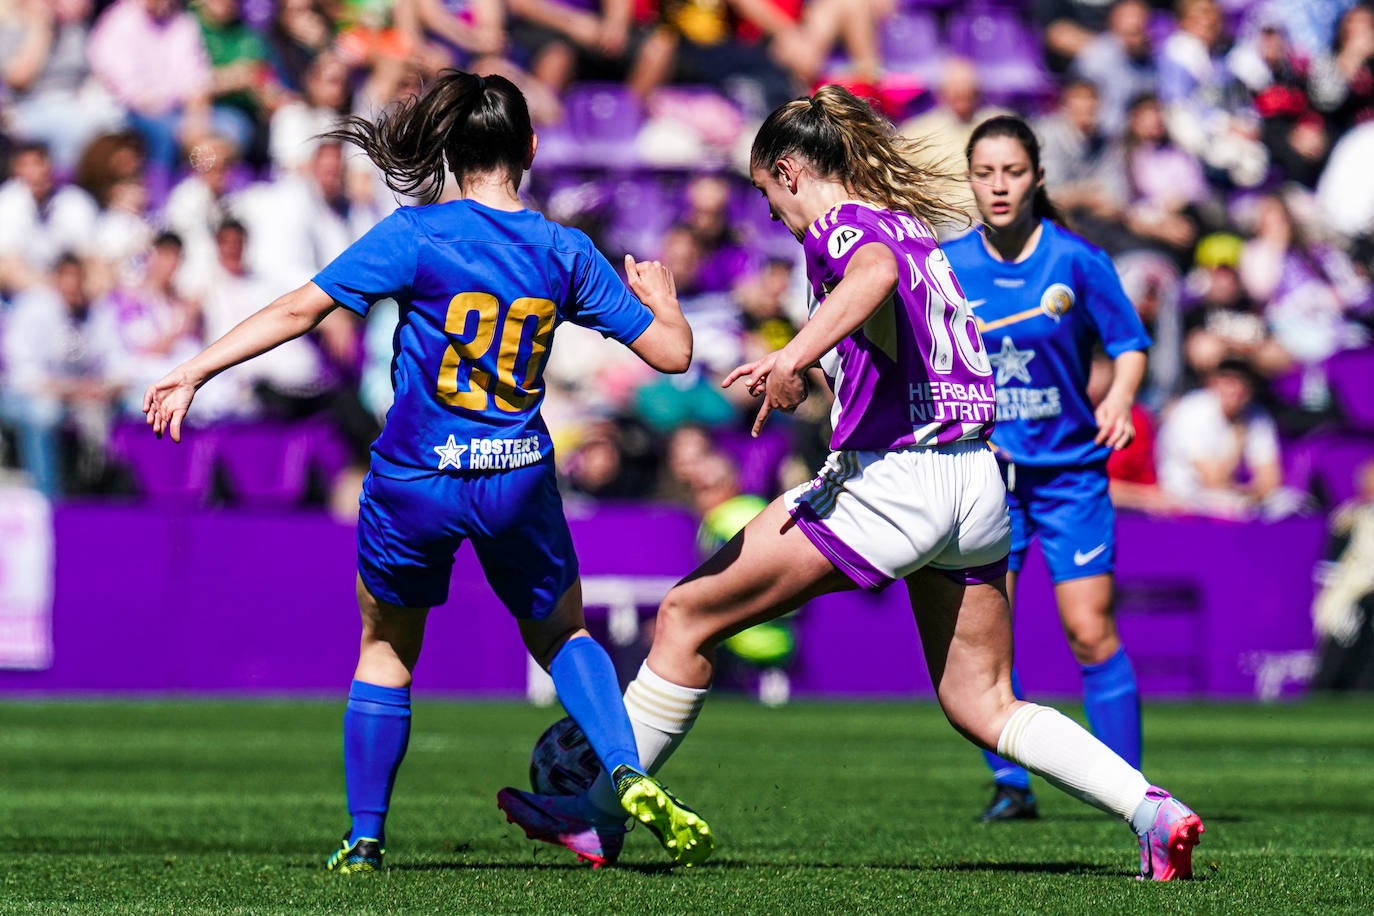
x,y
1069,510
410,530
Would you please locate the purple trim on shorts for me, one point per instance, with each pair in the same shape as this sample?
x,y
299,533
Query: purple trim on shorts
x,y
976,575
845,558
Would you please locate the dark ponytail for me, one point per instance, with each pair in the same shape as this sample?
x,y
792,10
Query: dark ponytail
x,y
1017,129
470,123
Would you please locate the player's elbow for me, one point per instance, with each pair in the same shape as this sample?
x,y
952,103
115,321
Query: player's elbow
x,y
675,360
667,348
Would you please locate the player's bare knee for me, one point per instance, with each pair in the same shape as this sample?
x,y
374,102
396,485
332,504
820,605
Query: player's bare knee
x,y
681,621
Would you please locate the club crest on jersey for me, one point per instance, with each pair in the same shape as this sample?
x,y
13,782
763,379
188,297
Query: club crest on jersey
x,y
842,239
1056,300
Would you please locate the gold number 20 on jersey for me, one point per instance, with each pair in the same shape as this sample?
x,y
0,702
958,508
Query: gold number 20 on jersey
x,y
473,323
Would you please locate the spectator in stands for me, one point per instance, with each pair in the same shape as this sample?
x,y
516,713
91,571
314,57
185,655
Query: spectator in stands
x,y
1207,111
150,55
801,35
944,130
1310,290
50,96
296,124
39,219
611,460
1219,450
695,395
1154,285
762,652
1068,27
724,259
300,31
1167,189
1345,190
1312,24
564,40
696,42
62,370
243,87
198,205
299,222
111,172
1343,612
1120,62
1225,323
1281,83
763,308
1085,170
1353,99
469,33
158,328
681,452
293,380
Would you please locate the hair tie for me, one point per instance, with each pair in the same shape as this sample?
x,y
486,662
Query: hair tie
x,y
481,83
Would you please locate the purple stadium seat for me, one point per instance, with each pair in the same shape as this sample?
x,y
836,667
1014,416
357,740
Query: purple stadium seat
x,y
267,463
605,119
1335,459
1003,47
909,43
558,147
164,471
642,208
1350,375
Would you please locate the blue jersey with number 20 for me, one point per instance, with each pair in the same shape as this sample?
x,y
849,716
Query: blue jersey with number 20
x,y
480,293
1040,319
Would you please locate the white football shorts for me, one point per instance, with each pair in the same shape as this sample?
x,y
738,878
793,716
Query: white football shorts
x,y
881,515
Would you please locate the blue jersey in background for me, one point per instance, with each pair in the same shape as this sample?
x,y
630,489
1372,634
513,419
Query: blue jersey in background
x,y
480,293
1040,319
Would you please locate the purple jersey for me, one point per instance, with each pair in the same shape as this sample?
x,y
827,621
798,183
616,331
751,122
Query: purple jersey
x,y
916,373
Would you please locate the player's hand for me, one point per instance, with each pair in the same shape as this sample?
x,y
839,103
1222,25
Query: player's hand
x,y
166,402
1114,426
650,281
781,388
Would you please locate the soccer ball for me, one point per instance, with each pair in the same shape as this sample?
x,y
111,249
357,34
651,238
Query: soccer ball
x,y
563,762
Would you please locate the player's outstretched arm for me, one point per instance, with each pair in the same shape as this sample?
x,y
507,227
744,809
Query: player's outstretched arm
x,y
667,343
166,401
779,377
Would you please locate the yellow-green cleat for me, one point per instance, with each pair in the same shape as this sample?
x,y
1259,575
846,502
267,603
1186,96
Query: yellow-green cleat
x,y
684,833
361,855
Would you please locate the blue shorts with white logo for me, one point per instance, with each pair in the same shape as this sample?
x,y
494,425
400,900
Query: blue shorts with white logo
x,y
1071,513
409,531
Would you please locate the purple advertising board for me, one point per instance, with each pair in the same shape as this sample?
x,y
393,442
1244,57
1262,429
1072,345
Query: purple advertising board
x,y
181,601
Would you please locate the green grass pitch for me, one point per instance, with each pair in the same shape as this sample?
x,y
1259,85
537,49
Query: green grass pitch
x,y
232,807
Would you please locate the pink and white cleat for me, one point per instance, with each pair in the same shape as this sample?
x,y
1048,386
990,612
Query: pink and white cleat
x,y
1166,849
569,821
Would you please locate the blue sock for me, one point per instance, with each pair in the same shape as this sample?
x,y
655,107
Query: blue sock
x,y
586,683
1004,772
376,732
1112,703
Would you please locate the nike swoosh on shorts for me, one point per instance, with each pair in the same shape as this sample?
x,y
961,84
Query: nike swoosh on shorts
x,y
1083,559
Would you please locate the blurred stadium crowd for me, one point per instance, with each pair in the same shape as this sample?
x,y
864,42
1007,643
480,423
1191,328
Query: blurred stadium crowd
x,y
163,180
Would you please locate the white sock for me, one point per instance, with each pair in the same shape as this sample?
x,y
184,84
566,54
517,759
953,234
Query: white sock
x,y
1050,744
661,714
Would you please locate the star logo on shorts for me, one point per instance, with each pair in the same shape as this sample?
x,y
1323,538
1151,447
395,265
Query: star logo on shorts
x,y
450,453
1011,362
